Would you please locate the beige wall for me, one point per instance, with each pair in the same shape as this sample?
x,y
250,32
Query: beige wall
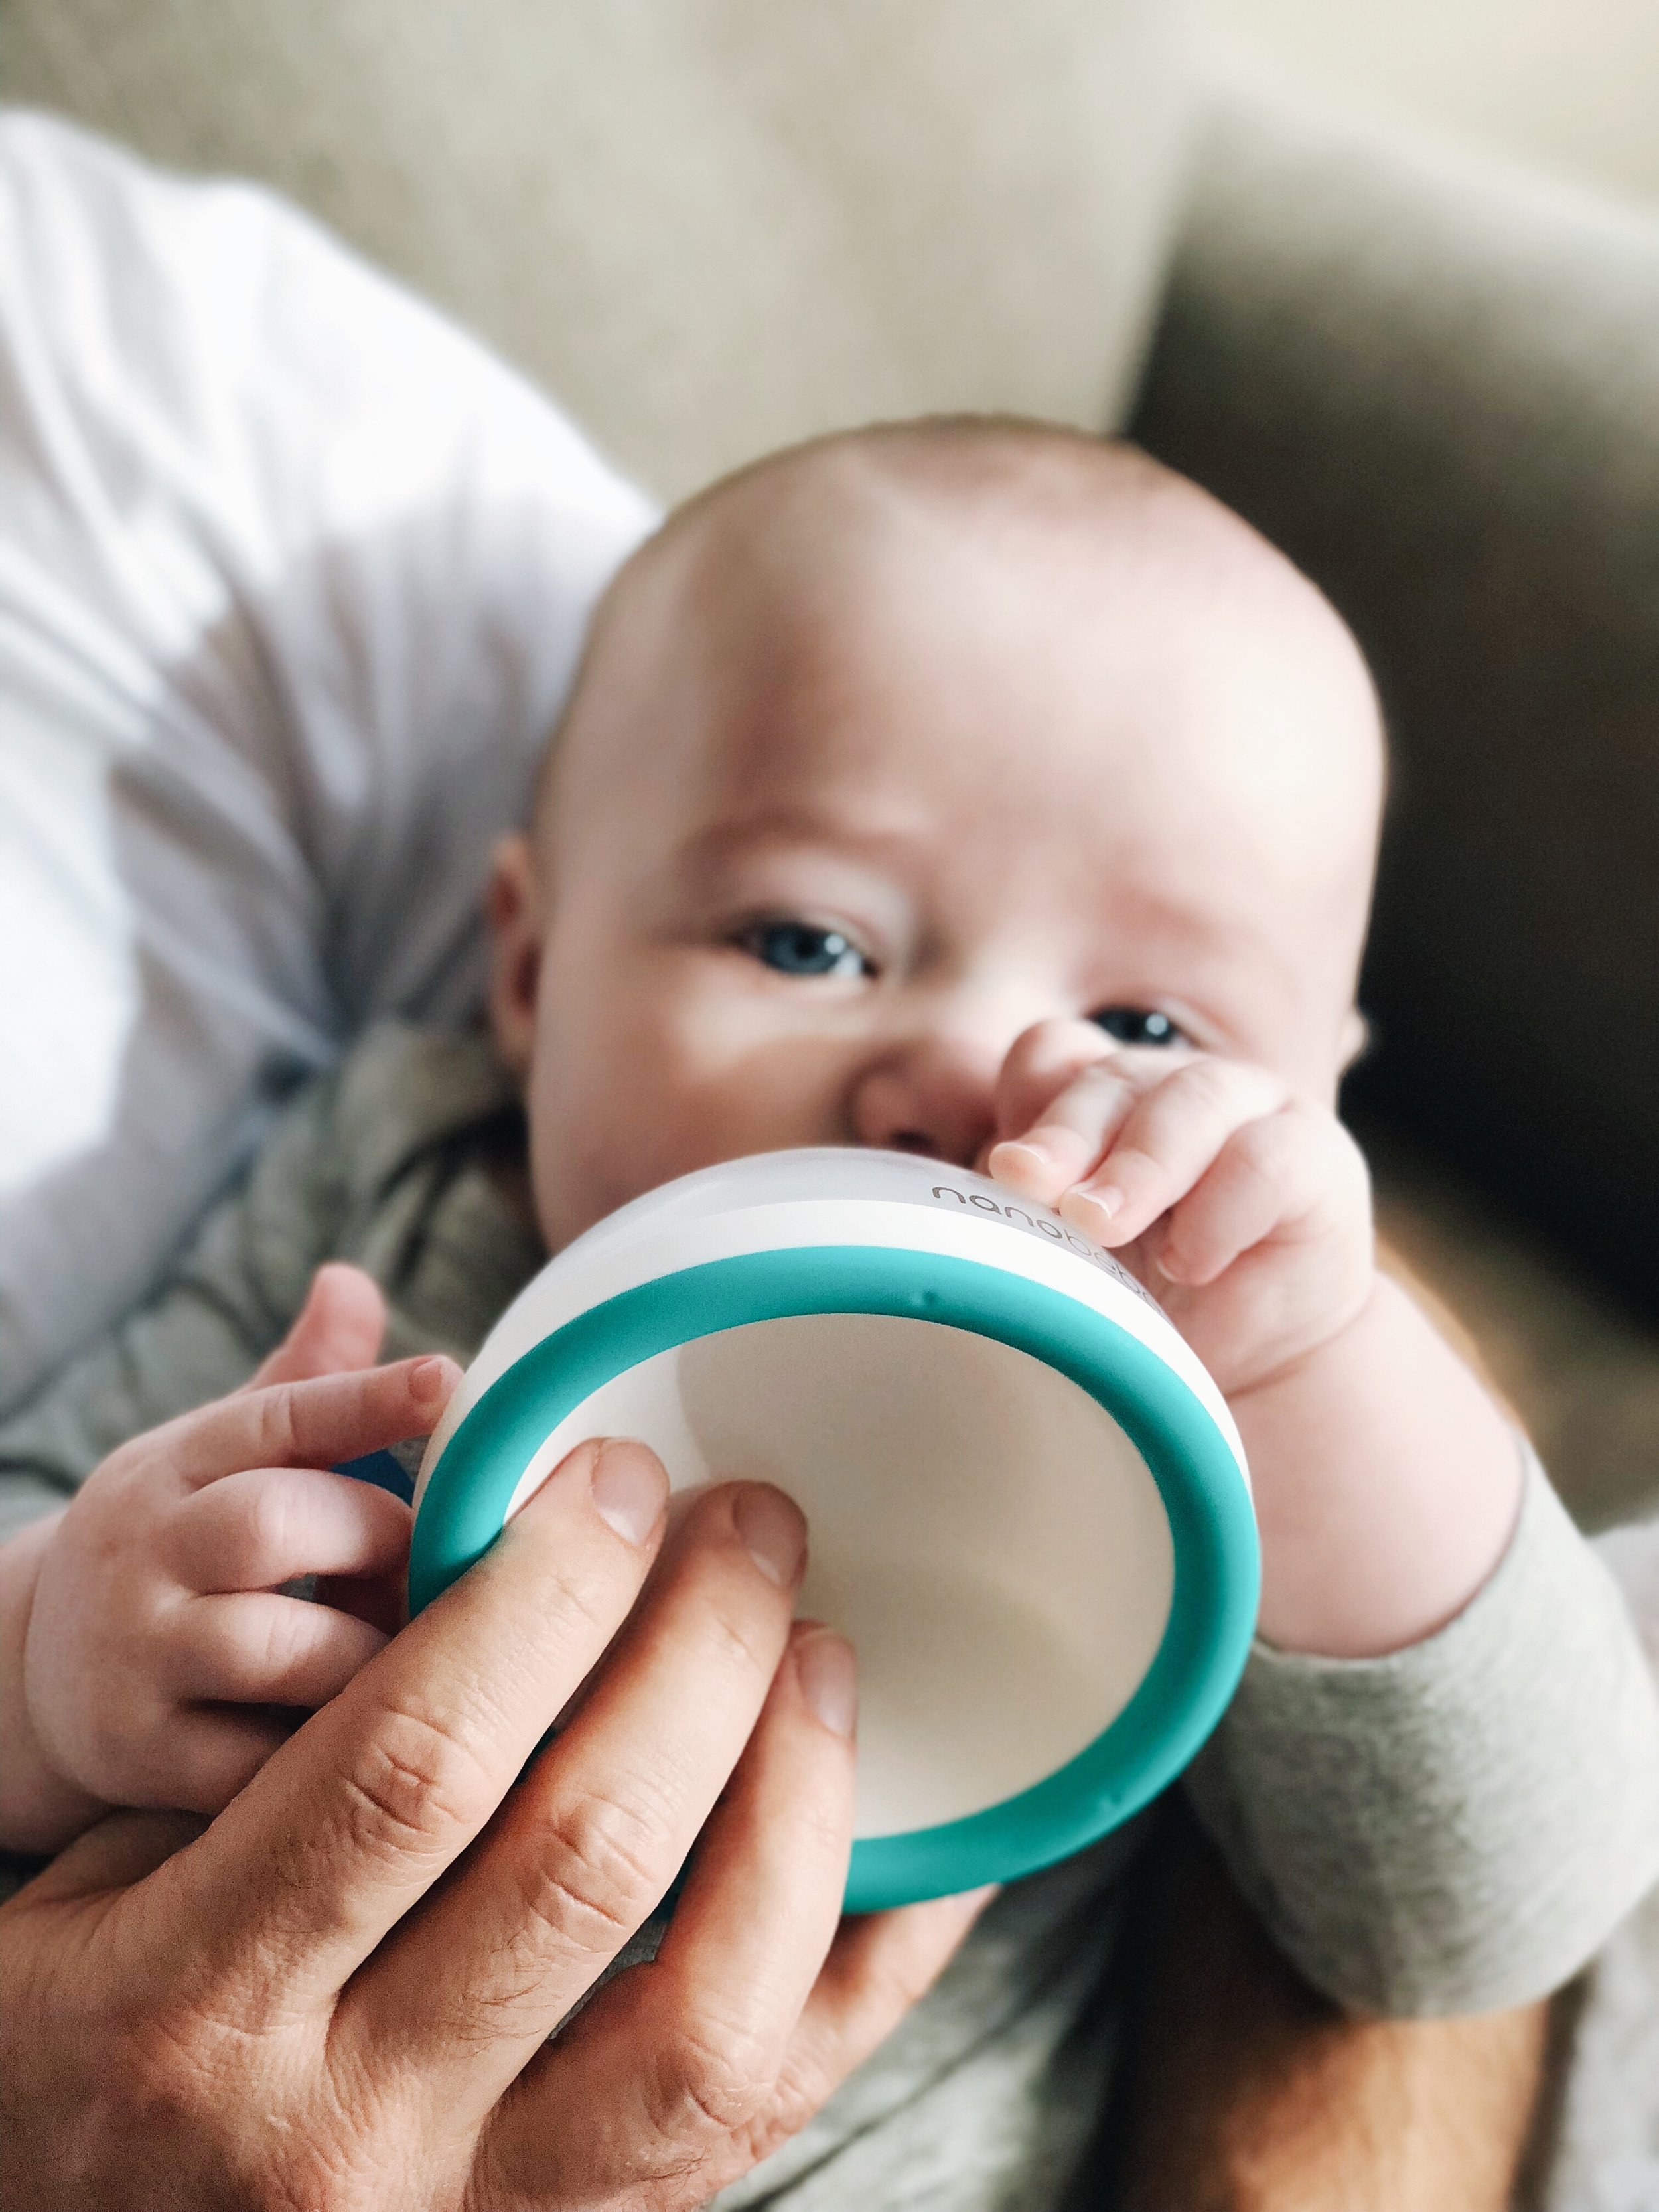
x,y
1572,85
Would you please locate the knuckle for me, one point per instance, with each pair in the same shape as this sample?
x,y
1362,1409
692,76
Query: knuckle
x,y
286,1638
746,1644
175,2078
604,1864
1263,1151
268,1524
275,1424
1206,1084
795,2096
708,2082
1138,1162
415,1787
1110,1072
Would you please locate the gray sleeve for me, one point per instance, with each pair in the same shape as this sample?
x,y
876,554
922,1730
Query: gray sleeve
x,y
223,1306
1457,1826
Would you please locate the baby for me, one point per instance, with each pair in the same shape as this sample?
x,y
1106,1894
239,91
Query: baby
x,y
986,791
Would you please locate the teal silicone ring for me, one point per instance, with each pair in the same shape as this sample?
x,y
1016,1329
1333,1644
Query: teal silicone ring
x,y
1217,1563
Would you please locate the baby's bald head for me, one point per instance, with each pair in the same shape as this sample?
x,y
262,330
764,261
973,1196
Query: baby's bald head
x,y
1025,722
799,548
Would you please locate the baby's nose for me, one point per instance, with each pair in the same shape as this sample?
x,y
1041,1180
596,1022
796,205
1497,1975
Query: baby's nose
x,y
935,1096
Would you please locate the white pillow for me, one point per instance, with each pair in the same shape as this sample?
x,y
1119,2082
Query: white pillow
x,y
292,578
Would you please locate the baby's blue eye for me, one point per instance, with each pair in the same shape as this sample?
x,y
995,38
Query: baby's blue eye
x,y
803,948
1137,1026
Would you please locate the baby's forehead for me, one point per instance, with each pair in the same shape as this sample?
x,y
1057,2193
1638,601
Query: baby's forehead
x,y
1008,622
1053,612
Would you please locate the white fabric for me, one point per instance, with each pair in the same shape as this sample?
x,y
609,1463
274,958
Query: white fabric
x,y
293,577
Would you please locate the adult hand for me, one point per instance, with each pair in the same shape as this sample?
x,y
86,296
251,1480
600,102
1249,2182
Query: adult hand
x,y
339,1995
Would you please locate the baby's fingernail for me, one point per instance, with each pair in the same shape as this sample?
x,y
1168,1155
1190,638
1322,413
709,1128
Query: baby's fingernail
x,y
774,1529
1013,1150
827,1674
1024,1163
630,1486
426,1378
1095,1207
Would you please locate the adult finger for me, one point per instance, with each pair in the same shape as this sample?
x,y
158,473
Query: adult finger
x,y
604,1820
340,1327
717,2008
254,1647
315,1422
879,1965
1164,1143
543,2140
262,1526
356,1816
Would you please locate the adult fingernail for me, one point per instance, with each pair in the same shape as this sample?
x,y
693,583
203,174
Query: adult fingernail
x,y
630,1488
774,1529
426,1378
827,1674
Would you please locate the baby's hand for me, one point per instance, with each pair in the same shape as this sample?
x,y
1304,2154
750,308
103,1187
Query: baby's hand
x,y
1244,1208
160,1649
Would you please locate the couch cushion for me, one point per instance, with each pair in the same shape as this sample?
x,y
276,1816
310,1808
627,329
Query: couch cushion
x,y
1433,384
710,226
1579,1367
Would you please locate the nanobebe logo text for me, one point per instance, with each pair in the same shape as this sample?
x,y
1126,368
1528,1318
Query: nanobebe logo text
x,y
1015,1216
1057,1232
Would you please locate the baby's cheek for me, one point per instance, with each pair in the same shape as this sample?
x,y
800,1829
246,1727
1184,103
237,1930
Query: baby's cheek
x,y
696,1057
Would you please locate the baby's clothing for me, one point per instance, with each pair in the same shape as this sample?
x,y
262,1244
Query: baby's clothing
x,y
1453,1827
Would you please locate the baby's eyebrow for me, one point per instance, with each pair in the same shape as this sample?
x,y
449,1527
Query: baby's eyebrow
x,y
782,827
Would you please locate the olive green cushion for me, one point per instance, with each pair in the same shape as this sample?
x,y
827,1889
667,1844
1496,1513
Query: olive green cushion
x,y
1434,386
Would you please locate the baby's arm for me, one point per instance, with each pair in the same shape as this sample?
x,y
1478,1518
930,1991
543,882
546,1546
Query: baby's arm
x,y
1387,1480
1439,1781
148,1649
1456,1826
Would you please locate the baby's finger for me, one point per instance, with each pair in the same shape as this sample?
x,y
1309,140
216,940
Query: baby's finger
x,y
321,1422
1165,1143
1040,1063
254,1648
338,1329
265,1525
212,1754
1268,1174
1070,1135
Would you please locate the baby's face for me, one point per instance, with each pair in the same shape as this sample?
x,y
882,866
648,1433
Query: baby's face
x,y
834,827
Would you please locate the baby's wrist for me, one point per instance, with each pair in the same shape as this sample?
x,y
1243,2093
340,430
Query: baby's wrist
x,y
1386,1481
1303,1369
1312,1334
40,1808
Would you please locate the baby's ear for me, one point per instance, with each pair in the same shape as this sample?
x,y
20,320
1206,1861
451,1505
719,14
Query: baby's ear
x,y
513,906
1356,1037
